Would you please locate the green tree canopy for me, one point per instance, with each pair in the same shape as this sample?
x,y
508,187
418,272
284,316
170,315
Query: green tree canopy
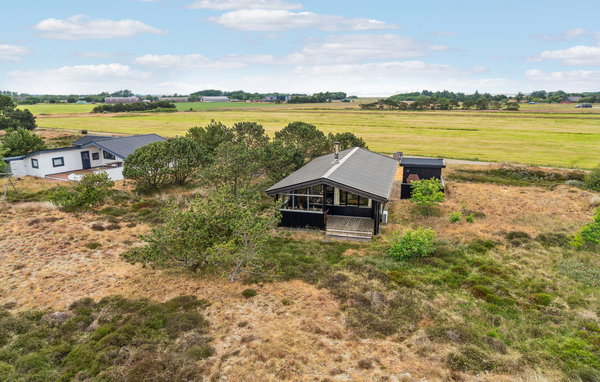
x,y
185,156
20,142
311,140
346,140
281,160
148,166
211,136
427,193
220,231
11,117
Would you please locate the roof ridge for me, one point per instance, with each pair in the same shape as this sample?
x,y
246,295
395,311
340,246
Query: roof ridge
x,y
337,165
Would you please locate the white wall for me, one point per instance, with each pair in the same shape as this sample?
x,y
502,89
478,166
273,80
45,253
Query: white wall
x,y
71,158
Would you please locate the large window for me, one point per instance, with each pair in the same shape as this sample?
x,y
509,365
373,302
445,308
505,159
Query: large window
x,y
58,162
353,200
34,163
108,155
308,199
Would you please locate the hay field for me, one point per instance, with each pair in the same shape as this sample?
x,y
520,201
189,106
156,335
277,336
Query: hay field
x,y
561,137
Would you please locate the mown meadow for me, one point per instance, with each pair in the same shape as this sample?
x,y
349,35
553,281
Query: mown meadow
x,y
552,135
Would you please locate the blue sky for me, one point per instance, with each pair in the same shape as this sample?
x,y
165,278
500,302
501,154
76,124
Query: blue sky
x,y
367,48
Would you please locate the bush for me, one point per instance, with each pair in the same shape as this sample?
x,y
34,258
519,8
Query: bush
x,y
20,142
455,217
589,234
427,193
470,218
249,292
155,165
592,179
92,189
417,243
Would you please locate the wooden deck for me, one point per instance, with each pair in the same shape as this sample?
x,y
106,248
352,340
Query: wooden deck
x,y
348,226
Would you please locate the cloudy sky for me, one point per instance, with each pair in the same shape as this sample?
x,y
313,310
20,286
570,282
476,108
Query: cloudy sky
x,y
367,48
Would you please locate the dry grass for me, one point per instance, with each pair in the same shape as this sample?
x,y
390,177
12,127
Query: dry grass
x,y
533,210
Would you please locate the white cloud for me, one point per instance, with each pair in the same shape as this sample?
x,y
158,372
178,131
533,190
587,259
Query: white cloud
x,y
354,48
92,55
81,79
574,80
82,27
383,69
277,20
566,35
198,61
12,52
223,5
580,55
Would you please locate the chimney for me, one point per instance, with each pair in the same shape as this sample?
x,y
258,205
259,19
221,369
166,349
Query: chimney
x,y
337,153
398,155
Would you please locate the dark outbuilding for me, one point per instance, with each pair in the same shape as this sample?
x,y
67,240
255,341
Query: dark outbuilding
x,y
418,169
343,193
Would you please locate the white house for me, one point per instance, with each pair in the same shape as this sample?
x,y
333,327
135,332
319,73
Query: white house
x,y
103,153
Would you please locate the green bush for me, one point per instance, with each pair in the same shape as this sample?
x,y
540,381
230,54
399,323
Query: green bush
x,y
592,179
455,217
470,218
249,292
418,243
589,234
427,193
92,189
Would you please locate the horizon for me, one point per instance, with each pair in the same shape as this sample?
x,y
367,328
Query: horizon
x,y
368,50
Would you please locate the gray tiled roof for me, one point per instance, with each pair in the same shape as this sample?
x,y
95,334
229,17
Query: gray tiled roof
x,y
123,146
358,170
90,138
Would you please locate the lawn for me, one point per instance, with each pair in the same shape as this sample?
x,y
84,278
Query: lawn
x,y
559,137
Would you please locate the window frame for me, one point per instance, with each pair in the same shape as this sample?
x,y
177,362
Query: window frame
x,y
306,195
62,162
107,155
344,200
95,156
35,163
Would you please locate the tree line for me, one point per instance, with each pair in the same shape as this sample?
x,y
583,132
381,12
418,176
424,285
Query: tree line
x,y
432,103
136,106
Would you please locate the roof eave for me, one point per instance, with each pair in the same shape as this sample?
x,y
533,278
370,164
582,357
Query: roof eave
x,y
378,198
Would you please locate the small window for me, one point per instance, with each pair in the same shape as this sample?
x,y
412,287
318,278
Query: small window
x,y
58,162
34,163
107,155
363,202
95,156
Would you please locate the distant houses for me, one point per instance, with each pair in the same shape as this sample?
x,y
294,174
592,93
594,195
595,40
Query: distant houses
x,y
174,99
121,99
214,99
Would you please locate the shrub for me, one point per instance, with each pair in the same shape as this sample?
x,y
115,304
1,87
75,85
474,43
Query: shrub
x,y
589,234
219,230
248,293
90,190
470,218
455,217
418,243
20,142
592,179
93,245
427,193
518,238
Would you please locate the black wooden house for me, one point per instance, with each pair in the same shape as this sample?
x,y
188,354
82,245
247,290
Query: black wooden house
x,y
418,169
343,193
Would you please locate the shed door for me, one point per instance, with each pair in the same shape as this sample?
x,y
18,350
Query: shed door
x,y
85,160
